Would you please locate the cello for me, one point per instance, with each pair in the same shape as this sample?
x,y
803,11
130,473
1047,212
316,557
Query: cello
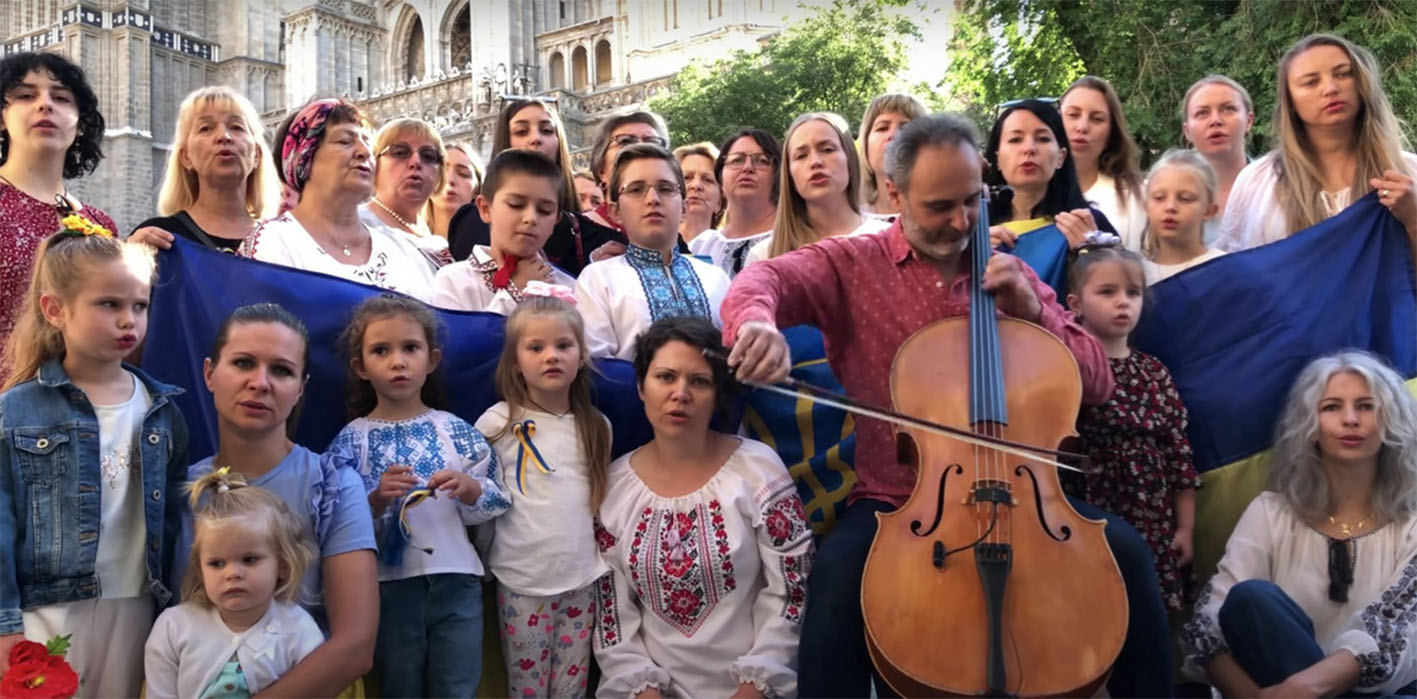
x,y
987,581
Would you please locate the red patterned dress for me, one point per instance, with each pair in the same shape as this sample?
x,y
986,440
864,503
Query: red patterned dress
x,y
1140,459
24,223
706,590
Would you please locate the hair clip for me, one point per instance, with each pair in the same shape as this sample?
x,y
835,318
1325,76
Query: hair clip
x,y
1101,238
221,485
78,226
555,291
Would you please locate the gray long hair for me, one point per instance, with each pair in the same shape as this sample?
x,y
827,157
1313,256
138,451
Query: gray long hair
x,y
1296,470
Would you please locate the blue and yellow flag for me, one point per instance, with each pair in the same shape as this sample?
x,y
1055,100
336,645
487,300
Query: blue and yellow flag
x,y
1236,331
197,288
1045,249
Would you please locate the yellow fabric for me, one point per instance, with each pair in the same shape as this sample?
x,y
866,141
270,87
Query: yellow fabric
x,y
1029,226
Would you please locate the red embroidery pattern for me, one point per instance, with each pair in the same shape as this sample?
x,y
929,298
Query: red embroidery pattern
x,y
679,567
607,630
603,538
786,525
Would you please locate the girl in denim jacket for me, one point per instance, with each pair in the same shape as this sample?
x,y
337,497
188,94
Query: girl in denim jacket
x,y
90,451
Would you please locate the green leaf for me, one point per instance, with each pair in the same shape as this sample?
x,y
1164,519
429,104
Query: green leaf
x,y
59,645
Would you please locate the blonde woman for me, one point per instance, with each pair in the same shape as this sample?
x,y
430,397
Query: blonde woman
x,y
703,193
220,177
1338,139
1216,116
1106,158
819,193
410,164
460,187
884,116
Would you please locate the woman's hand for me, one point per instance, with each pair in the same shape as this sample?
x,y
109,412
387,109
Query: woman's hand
x,y
1001,235
1075,225
650,693
456,484
1395,192
613,248
747,690
152,235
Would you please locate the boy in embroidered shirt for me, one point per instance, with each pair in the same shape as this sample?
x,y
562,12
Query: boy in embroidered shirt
x,y
519,202
620,297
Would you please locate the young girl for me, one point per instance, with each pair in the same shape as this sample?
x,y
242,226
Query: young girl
x,y
238,628
556,447
1181,192
1136,442
90,450
430,594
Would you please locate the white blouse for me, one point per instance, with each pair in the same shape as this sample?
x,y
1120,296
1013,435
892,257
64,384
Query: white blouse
x,y
1128,217
621,297
1156,272
1378,623
395,263
1253,216
467,285
190,644
728,254
706,590
869,224
434,247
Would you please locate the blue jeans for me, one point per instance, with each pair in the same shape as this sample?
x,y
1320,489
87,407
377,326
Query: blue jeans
x,y
832,657
430,636
1269,635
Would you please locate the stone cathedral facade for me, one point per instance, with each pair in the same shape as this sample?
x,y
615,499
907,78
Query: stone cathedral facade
x,y
451,62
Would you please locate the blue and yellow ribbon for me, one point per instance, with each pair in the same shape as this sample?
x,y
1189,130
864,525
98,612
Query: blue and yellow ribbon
x,y
527,453
399,537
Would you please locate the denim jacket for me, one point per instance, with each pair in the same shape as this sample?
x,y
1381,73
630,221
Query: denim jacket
x,y
50,491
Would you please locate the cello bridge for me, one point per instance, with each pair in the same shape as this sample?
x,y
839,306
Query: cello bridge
x,y
987,490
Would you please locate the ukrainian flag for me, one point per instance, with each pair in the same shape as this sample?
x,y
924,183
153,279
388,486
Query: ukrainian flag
x,y
1045,249
198,288
1237,330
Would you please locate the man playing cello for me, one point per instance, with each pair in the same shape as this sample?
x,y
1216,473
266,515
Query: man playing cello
x,y
867,295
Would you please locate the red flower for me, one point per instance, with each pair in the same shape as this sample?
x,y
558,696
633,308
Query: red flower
x,y
526,664
533,620
48,677
573,670
27,651
778,526
677,568
573,612
683,603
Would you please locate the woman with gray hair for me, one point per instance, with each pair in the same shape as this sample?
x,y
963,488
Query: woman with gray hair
x,y
1317,592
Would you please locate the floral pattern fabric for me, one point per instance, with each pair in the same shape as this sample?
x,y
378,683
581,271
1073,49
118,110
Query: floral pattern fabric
x,y
546,642
1139,459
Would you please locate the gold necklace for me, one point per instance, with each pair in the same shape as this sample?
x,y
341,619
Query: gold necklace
x,y
397,217
1348,528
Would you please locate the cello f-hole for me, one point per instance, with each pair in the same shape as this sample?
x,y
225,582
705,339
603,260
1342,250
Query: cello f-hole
x,y
939,503
1067,532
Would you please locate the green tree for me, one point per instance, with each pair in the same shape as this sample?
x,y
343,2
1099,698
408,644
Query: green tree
x,y
835,60
1153,51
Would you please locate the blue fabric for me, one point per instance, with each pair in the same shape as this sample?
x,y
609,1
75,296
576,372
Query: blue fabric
x,y
322,489
816,442
49,491
230,683
1267,633
197,288
671,290
1236,331
430,636
1046,251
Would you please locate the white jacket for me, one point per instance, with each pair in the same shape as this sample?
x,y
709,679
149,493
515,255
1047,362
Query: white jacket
x,y
190,644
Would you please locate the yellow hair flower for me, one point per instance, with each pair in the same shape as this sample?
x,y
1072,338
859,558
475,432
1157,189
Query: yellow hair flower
x,y
78,224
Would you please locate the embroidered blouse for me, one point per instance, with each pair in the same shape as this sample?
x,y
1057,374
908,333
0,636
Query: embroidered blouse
x,y
706,590
395,263
429,443
620,297
729,254
467,285
1378,623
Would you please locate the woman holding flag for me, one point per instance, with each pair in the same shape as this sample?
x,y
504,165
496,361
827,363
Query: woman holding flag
x,y
1338,140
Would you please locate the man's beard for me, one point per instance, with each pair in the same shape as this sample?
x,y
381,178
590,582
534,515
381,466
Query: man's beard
x,y
939,244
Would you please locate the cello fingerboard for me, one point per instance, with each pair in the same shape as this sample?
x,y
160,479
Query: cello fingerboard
x,y
986,373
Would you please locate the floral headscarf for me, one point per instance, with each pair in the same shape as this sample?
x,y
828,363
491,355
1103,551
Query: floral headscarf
x,y
301,139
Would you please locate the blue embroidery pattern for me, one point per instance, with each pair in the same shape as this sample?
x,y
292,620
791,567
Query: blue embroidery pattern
x,y
671,290
471,445
413,444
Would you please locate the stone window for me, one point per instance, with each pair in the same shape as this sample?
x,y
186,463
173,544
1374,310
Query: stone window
x,y
578,69
461,38
413,55
558,69
602,62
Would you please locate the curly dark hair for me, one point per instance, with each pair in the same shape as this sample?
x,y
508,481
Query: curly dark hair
x,y
86,152
696,332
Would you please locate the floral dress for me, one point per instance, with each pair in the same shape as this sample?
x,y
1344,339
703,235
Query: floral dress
x,y
706,590
1139,459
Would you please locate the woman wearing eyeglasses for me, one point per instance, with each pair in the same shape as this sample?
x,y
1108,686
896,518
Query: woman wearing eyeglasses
x,y
408,168
531,124
326,157
747,166
616,133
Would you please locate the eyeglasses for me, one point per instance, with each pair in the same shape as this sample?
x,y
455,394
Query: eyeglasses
x,y
402,152
638,190
738,161
629,139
